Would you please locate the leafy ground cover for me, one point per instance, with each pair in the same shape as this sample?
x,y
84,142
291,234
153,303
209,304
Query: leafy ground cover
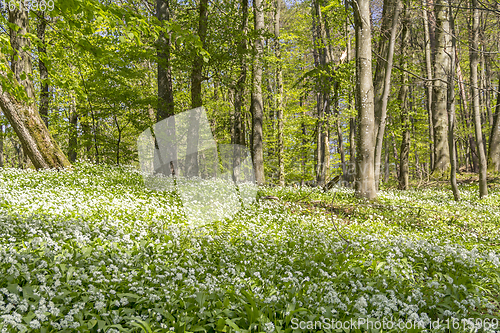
x,y
93,250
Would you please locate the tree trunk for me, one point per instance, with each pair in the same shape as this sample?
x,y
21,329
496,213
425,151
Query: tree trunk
x,y
323,96
428,84
257,108
365,168
23,116
192,167
439,94
474,62
165,106
494,153
73,134
279,95
451,114
340,138
382,112
388,11
404,162
44,73
1,145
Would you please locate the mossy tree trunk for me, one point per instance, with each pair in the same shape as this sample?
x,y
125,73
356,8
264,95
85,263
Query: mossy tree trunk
x,y
22,113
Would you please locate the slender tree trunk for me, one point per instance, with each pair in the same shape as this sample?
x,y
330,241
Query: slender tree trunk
x,y
494,153
23,116
388,11
451,114
257,103
279,95
73,134
386,92
238,137
1,146
404,162
165,107
44,73
192,167
365,168
474,62
428,84
386,163
439,94
323,96
340,138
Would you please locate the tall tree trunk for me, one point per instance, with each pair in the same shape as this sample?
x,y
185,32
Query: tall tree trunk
x,y
382,113
279,95
494,153
44,73
192,167
439,94
451,113
238,134
388,11
257,107
404,162
323,96
23,116
365,168
165,106
474,62
428,84
73,134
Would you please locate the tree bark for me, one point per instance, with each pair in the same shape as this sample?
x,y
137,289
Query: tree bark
x,y
439,94
474,62
257,108
23,116
365,168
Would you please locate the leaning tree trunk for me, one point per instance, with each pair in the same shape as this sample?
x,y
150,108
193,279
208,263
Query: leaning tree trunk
x,y
22,113
257,103
474,62
439,93
381,61
381,114
365,168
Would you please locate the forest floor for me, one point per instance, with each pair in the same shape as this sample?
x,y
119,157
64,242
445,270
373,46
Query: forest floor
x,y
94,250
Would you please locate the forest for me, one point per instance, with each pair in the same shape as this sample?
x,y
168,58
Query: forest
x,y
373,136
